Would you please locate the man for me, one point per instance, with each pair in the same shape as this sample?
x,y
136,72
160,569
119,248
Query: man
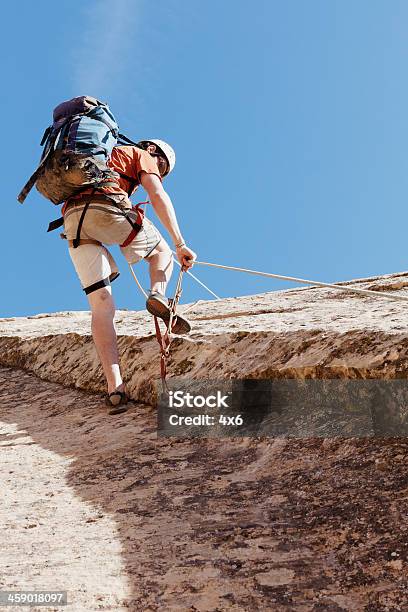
x,y
92,221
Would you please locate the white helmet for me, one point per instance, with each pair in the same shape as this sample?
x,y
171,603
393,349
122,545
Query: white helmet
x,y
165,148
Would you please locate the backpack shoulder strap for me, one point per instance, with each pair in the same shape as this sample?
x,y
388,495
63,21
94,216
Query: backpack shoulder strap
x,y
33,178
124,140
29,185
45,135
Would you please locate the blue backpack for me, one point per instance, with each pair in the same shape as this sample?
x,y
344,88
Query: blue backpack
x,y
77,147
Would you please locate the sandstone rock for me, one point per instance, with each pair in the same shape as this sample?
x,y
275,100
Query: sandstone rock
x,y
275,577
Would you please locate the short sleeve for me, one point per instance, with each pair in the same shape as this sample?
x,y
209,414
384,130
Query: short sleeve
x,y
129,163
144,162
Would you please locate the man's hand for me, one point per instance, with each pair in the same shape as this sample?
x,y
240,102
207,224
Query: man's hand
x,y
185,256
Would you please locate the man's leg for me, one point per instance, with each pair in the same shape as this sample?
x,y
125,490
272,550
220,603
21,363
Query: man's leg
x,y
104,336
160,267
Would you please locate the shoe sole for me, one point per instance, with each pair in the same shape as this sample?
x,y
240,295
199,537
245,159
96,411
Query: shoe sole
x,y
118,410
158,309
119,406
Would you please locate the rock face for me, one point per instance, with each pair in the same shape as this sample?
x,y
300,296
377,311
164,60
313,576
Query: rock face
x,y
124,520
300,333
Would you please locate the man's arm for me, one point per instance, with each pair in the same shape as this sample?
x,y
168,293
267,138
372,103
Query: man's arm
x,y
164,209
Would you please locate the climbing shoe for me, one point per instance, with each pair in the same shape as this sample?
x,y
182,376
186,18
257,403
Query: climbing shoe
x,y
159,306
117,401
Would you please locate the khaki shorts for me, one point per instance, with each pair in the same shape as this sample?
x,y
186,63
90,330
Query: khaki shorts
x,y
95,266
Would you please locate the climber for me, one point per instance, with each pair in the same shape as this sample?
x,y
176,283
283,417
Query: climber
x,y
92,221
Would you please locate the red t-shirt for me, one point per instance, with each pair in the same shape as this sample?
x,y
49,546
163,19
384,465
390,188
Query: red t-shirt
x,y
132,161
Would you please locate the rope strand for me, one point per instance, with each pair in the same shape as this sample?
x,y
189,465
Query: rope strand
x,y
137,282
387,296
197,279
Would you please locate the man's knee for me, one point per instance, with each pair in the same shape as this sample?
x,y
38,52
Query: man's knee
x,y
101,299
161,249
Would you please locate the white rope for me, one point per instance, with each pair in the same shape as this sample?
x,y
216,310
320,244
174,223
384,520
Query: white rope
x,y
377,294
387,296
197,279
191,306
137,282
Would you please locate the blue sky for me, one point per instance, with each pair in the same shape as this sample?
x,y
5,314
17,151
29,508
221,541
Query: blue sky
x,y
289,120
